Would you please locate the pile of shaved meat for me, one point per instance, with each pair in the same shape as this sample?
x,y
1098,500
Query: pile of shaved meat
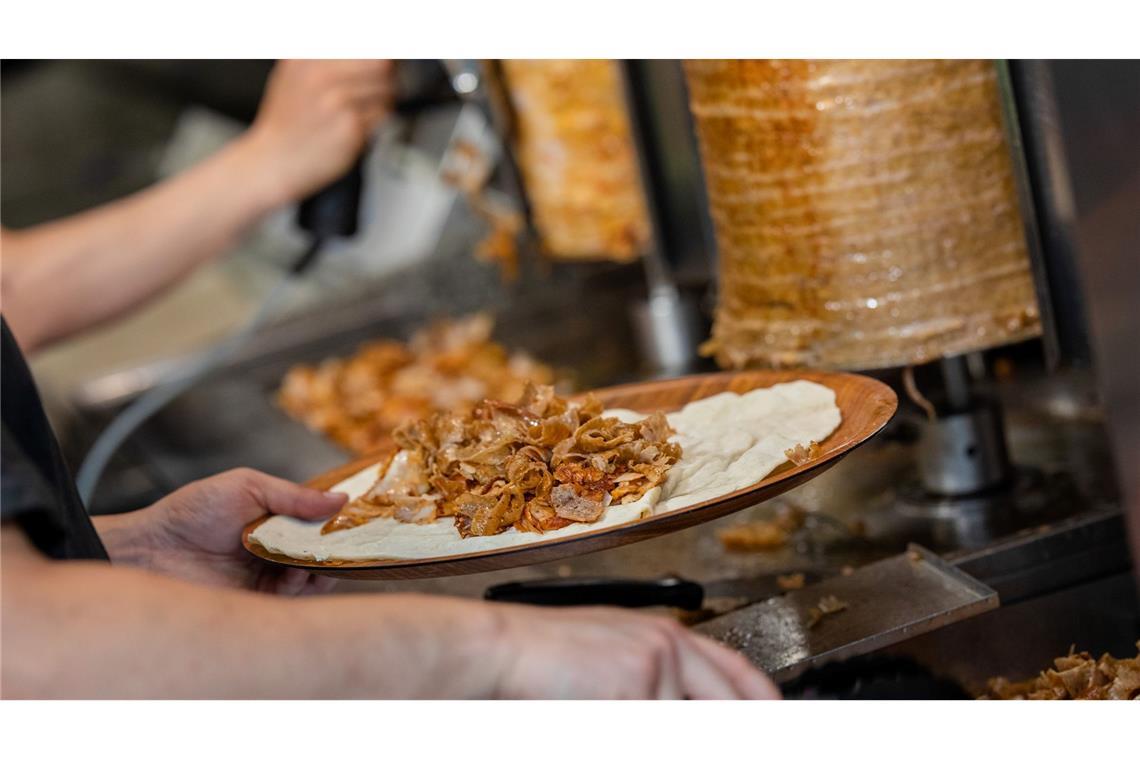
x,y
537,465
1075,676
359,400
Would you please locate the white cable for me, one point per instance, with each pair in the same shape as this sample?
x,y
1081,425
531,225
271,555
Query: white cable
x,y
146,405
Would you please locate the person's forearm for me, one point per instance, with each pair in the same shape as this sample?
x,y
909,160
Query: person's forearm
x,y
62,277
91,630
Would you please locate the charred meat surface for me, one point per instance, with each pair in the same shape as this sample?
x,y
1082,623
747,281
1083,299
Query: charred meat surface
x,y
575,148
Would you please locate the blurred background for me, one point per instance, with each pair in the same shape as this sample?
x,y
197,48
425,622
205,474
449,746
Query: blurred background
x,y
958,229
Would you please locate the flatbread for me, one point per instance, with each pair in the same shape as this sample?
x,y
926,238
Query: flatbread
x,y
729,441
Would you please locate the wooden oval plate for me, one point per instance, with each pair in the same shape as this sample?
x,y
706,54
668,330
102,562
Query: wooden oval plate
x,y
865,404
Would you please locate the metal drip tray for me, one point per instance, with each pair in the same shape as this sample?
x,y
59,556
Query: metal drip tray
x,y
1032,498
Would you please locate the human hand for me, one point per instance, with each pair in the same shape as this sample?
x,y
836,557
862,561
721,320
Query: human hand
x,y
195,532
314,120
606,653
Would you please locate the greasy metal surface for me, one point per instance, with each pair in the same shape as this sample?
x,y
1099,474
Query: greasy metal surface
x,y
1022,178
670,162
1048,558
1063,468
1026,501
887,602
1098,103
669,330
964,453
1052,200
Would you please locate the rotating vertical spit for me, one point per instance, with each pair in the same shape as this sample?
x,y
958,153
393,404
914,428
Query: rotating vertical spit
x,y
668,322
962,448
876,215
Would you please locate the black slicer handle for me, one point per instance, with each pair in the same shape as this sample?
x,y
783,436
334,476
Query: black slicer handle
x,y
567,592
331,212
335,210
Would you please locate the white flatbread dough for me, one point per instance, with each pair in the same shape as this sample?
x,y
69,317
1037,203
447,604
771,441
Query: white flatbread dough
x,y
729,441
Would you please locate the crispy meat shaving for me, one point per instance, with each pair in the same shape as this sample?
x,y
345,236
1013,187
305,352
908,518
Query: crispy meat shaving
x,y
765,535
799,455
831,604
400,492
537,465
827,605
791,582
1075,676
756,536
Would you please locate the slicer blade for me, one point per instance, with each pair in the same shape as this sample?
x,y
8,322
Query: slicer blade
x,y
886,602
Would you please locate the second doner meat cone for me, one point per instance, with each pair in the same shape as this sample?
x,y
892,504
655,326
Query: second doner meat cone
x,y
577,157
865,212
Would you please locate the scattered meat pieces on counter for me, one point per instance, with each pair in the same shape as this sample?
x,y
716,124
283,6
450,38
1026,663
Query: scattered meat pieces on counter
x,y
828,605
791,581
359,400
831,604
753,537
791,518
764,535
537,465
1075,676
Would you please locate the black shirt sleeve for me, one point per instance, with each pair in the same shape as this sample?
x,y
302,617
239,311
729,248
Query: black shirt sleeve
x,y
24,496
37,491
